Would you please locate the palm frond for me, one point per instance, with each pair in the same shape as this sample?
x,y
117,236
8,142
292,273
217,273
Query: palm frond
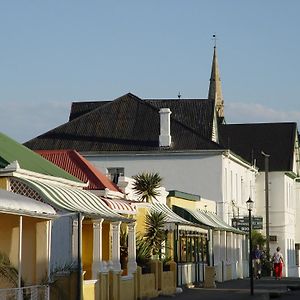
x,y
146,185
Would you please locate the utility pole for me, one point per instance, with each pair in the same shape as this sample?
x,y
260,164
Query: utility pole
x,y
267,203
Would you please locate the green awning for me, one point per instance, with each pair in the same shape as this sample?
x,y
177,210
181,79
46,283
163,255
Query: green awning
x,y
206,218
173,220
73,200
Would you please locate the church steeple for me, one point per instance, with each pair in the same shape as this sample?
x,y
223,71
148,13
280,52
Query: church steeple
x,y
215,88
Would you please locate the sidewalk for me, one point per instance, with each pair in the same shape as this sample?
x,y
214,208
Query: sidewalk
x,y
239,289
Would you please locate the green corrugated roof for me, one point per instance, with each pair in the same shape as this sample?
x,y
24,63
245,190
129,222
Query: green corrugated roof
x,y
11,151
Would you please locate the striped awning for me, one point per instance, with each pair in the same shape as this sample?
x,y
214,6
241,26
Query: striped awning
x,y
73,200
173,220
120,206
206,218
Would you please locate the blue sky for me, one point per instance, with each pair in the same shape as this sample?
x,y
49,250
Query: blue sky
x,y
55,52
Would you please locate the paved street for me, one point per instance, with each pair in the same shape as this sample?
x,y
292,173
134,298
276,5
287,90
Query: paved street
x,y
266,288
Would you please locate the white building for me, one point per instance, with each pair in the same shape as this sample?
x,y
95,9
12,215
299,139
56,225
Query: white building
x,y
189,144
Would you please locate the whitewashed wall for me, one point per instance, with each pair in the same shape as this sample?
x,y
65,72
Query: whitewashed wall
x,y
282,215
213,176
197,174
238,184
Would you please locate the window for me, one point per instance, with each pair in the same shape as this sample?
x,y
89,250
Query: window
x,y
115,173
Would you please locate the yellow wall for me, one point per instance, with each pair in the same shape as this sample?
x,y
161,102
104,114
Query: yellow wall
x,y
127,289
34,248
87,249
106,241
89,290
208,205
140,219
29,250
41,267
4,183
9,236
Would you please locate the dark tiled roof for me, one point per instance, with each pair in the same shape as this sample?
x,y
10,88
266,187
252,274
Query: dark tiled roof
x,y
194,113
125,124
80,108
275,139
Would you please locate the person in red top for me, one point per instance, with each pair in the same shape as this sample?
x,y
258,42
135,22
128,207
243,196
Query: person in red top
x,y
278,263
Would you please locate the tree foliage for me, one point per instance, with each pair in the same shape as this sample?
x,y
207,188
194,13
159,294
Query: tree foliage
x,y
146,186
155,233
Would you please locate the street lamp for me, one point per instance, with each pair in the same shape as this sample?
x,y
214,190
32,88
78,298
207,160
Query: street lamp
x,y
250,207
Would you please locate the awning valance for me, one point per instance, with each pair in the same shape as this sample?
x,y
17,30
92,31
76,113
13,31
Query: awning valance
x,y
120,206
173,220
73,200
206,218
21,205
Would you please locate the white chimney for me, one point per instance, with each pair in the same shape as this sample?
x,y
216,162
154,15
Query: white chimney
x,y
165,131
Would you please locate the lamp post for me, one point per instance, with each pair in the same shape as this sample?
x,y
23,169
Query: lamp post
x,y
250,207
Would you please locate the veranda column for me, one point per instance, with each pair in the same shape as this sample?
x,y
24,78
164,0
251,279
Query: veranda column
x,y
217,246
240,249
115,234
20,294
223,253
132,265
75,240
98,265
49,227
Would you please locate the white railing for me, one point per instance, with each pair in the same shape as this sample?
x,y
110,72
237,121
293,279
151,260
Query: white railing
x,y
36,292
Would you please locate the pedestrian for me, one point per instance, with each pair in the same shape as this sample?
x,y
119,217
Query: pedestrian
x,y
278,263
256,262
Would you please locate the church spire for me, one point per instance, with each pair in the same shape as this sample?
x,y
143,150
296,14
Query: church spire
x,y
215,88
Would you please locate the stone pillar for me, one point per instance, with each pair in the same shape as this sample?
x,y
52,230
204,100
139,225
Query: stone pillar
x,y
132,265
115,237
98,264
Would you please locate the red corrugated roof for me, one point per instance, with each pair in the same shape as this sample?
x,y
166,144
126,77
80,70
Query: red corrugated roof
x,y
74,163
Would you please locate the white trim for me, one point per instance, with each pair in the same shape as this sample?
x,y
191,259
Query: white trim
x,y
15,170
49,225
20,251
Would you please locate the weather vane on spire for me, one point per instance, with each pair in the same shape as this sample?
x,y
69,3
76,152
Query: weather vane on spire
x,y
215,40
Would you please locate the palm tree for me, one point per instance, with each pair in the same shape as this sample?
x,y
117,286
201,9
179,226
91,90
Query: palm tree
x,y
146,186
155,233
8,274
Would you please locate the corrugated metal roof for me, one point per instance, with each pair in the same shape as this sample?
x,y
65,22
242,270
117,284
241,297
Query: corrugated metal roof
x,y
74,200
18,204
74,163
11,151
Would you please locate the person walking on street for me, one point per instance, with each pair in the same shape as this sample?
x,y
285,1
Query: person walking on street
x,y
278,263
256,262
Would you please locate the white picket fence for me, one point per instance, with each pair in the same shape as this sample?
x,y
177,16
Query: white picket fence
x,y
36,292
